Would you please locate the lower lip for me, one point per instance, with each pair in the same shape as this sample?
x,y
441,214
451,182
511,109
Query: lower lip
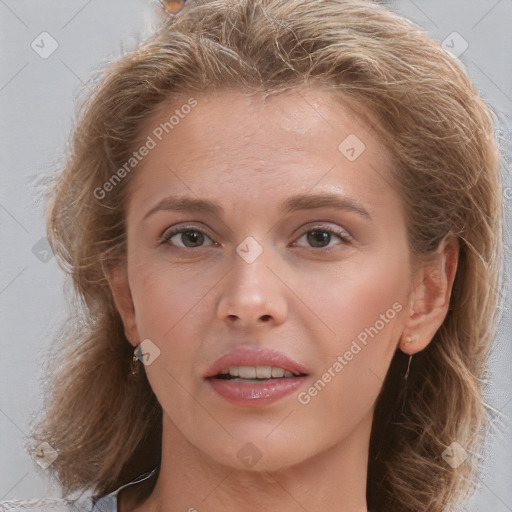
x,y
255,393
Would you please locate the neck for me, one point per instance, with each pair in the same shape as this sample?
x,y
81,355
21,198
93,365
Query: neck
x,y
331,480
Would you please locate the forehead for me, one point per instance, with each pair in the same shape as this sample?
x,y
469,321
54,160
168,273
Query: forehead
x,y
235,142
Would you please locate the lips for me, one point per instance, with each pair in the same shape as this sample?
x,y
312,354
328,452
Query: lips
x,y
242,377
255,358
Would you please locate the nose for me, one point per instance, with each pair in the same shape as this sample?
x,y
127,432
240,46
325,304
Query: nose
x,y
253,294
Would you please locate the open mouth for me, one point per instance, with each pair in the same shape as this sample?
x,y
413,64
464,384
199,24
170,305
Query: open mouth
x,y
256,374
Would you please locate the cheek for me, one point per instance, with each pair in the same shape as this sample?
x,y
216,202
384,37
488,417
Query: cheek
x,y
361,295
166,298
366,317
364,310
167,304
365,313
172,310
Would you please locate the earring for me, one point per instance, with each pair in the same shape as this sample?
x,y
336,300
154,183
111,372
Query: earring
x,y
405,381
136,362
407,372
412,339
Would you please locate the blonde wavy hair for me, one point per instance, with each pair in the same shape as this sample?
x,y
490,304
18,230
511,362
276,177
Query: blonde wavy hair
x,y
105,425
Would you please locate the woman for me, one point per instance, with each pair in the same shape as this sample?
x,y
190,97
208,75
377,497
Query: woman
x,y
283,224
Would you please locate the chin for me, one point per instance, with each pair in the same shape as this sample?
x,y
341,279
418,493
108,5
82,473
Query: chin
x,y
258,453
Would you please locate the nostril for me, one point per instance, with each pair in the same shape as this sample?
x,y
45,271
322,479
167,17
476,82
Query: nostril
x,y
265,318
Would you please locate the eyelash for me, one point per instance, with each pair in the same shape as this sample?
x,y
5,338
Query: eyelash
x,y
345,238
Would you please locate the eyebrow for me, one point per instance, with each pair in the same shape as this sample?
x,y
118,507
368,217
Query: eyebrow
x,y
293,203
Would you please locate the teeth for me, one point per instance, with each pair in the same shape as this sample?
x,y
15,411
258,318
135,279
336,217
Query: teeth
x,y
247,372
257,372
263,372
277,372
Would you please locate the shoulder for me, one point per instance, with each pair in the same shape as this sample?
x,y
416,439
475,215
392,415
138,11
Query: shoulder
x,y
107,503
43,505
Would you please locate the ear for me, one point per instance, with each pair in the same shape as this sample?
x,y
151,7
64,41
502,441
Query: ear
x,y
117,276
430,296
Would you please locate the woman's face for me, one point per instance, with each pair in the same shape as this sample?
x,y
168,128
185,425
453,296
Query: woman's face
x,y
292,257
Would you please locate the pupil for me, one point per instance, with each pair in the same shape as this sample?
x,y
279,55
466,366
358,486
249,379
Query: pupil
x,y
193,235
315,237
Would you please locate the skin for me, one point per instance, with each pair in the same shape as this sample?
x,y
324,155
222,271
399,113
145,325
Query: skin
x,y
249,154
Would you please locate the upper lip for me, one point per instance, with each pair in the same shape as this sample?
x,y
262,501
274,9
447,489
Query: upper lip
x,y
252,357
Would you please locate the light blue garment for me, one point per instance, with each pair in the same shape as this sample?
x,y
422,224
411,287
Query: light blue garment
x,y
107,503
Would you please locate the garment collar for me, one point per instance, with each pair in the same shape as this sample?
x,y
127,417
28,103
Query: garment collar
x,y
108,503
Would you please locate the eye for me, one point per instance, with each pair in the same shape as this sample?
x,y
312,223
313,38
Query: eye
x,y
321,236
189,237
192,237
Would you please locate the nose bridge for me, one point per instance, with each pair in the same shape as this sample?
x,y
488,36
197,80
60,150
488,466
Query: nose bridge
x,y
252,292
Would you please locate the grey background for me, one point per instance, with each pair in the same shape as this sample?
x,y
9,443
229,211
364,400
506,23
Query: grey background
x,y
37,104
